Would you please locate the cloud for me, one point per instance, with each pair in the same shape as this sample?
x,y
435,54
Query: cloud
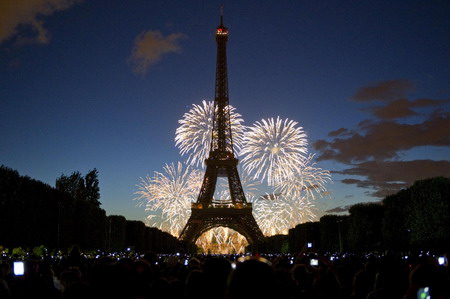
x,y
382,140
384,91
150,47
348,181
373,151
388,177
339,209
28,14
338,132
403,108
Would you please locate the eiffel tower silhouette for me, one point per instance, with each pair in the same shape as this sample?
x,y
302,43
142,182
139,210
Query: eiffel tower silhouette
x,y
235,213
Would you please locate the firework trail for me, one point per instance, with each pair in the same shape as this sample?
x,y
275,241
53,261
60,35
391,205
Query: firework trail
x,y
168,196
193,136
274,150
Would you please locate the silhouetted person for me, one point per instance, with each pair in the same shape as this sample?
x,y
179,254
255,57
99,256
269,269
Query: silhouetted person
x,y
141,277
159,288
252,278
196,286
302,280
216,270
428,276
75,259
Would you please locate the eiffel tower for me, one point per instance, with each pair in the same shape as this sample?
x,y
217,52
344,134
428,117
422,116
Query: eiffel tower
x,y
235,213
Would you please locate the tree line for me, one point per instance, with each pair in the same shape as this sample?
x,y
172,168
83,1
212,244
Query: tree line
x,y
416,218
33,213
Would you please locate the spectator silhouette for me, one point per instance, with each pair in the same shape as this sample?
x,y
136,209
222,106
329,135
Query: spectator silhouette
x,y
196,286
216,270
252,278
303,281
428,276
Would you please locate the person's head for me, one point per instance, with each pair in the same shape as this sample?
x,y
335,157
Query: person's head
x,y
300,273
252,278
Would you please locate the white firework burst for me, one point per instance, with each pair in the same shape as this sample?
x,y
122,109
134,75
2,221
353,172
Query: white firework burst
x,y
193,136
274,149
168,196
308,180
276,214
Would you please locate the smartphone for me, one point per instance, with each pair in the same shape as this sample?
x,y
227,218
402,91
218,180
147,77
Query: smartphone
x,y
314,262
442,260
423,293
309,245
186,262
18,268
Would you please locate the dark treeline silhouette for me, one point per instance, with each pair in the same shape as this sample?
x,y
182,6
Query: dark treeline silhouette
x,y
33,213
417,218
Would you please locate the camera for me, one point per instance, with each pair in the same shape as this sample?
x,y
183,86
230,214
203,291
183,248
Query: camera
x,y
18,268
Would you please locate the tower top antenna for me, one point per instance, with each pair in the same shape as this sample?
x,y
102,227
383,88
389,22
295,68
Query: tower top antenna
x,y
221,15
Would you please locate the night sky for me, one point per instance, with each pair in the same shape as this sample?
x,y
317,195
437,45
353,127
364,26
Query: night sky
x,y
102,84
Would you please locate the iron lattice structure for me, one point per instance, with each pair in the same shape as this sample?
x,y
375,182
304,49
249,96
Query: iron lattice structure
x,y
235,213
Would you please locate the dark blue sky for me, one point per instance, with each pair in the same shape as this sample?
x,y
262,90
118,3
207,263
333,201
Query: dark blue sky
x,y
73,98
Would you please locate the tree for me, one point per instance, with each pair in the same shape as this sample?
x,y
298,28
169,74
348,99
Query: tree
x,y
429,213
395,228
116,231
81,188
333,232
365,226
92,191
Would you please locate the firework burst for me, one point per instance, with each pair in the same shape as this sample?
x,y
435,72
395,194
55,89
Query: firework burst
x,y
308,180
220,240
168,196
274,150
193,136
275,214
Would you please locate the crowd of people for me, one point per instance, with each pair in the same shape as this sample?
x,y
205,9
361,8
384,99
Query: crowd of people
x,y
304,275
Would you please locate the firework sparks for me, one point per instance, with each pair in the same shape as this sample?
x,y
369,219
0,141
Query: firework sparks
x,y
193,136
274,149
220,240
276,215
309,180
168,196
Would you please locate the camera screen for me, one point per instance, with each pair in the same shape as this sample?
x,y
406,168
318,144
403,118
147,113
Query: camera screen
x,y
314,262
18,268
